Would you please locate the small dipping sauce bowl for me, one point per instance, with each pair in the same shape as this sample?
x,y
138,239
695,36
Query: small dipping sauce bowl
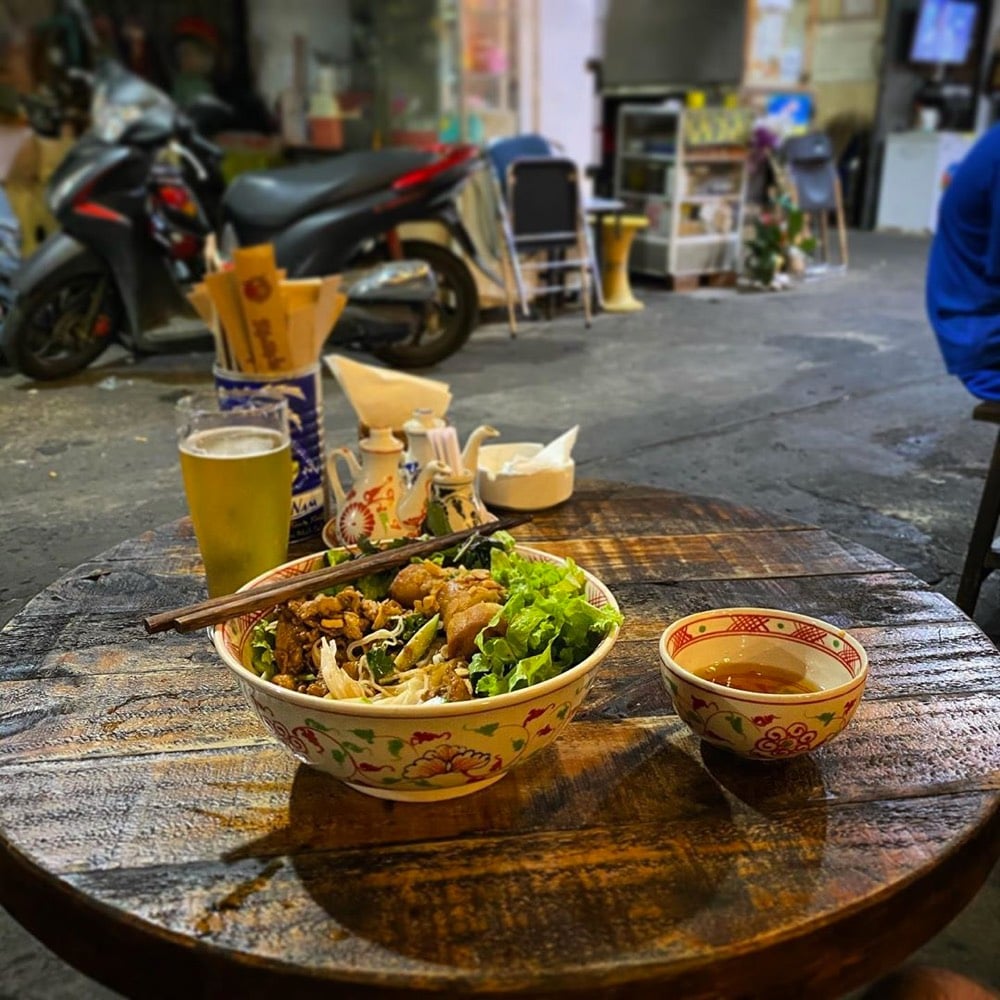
x,y
762,683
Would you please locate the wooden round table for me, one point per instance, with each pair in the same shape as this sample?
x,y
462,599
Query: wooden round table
x,y
157,838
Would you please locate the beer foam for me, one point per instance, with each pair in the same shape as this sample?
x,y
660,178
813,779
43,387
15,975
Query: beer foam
x,y
233,442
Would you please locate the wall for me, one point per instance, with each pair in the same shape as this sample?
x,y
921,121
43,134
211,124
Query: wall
x,y
557,94
986,109
847,57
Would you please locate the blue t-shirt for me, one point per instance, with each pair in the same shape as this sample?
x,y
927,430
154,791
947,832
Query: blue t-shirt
x,y
963,274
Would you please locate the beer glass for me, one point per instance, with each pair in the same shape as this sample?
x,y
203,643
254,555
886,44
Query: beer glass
x,y
237,470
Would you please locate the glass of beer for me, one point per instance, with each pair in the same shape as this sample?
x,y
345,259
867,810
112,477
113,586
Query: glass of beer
x,y
237,469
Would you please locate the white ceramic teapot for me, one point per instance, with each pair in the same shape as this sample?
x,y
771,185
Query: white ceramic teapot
x,y
378,505
421,430
470,453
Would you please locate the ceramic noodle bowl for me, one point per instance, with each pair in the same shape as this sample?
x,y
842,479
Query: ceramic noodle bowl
x,y
809,676
417,753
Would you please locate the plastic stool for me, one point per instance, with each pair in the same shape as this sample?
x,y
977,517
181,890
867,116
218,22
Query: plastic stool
x,y
616,239
980,559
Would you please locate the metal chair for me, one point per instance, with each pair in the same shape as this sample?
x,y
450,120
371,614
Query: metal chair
x,y
812,171
546,230
504,153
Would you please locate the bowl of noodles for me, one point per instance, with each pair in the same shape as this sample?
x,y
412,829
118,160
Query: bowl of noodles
x,y
427,682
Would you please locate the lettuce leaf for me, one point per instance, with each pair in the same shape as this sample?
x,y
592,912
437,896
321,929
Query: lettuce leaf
x,y
551,626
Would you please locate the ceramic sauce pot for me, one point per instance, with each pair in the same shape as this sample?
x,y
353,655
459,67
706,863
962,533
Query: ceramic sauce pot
x,y
455,502
419,450
377,504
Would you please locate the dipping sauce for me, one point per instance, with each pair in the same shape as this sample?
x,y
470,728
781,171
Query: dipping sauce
x,y
760,678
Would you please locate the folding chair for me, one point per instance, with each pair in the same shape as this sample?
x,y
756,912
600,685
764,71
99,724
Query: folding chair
x,y
545,217
812,171
502,153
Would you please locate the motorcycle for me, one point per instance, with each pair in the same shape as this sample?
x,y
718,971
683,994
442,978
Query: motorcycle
x,y
345,211
140,194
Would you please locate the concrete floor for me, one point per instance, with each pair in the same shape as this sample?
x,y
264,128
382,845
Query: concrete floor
x,y
829,403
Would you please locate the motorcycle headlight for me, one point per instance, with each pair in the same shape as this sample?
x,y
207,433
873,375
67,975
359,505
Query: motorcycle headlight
x,y
110,120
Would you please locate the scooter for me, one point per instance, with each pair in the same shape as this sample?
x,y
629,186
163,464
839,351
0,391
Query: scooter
x,y
345,211
136,199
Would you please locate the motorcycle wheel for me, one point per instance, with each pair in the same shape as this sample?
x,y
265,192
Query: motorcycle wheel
x,y
453,315
47,335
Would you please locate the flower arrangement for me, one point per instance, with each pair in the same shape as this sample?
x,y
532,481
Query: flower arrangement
x,y
779,245
781,240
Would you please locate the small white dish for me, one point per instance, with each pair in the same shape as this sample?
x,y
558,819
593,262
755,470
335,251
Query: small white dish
x,y
501,484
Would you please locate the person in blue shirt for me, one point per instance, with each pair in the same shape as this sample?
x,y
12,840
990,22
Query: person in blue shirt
x,y
963,274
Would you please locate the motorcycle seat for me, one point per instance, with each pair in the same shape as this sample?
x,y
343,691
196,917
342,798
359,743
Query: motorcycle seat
x,y
271,199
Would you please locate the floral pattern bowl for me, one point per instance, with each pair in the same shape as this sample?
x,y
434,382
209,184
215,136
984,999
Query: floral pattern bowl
x,y
755,724
414,753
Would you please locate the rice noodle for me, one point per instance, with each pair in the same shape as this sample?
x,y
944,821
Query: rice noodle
x,y
412,690
338,681
355,649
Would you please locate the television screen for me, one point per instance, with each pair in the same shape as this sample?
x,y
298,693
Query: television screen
x,y
680,43
944,31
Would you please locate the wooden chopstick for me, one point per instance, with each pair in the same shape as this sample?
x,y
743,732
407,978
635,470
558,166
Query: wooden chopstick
x,y
220,609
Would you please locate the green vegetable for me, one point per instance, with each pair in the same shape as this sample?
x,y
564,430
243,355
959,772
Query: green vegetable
x,y
551,626
411,625
476,552
380,661
334,557
262,640
410,654
374,586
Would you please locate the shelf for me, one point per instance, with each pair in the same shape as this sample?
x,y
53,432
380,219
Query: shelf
x,y
654,157
696,157
698,199
648,237
702,199
708,238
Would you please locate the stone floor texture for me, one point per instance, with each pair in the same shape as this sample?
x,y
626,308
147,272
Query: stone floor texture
x,y
829,403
